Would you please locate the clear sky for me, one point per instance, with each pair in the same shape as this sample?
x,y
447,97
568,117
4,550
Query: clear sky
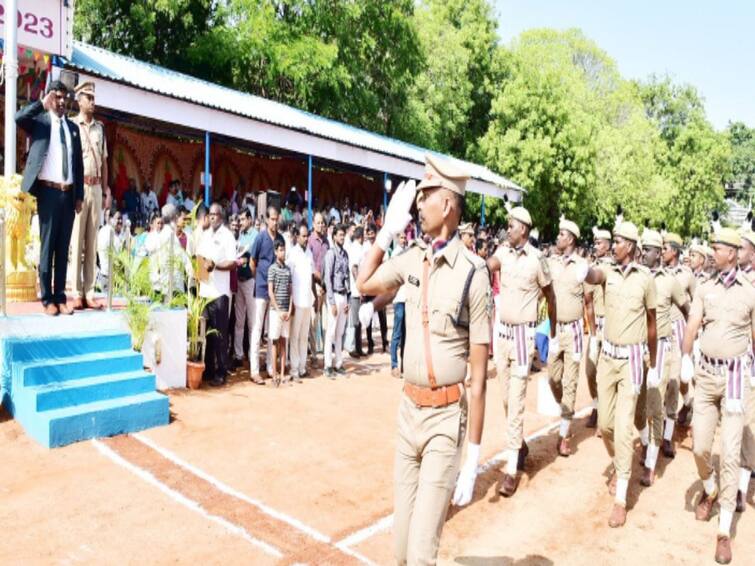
x,y
709,44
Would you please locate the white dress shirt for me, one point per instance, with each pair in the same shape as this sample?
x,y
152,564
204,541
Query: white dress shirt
x,y
356,253
219,246
52,168
302,266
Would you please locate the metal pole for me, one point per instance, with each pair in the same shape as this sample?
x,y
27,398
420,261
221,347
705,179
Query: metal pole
x,y
385,192
11,83
482,211
207,169
110,278
3,311
170,268
309,191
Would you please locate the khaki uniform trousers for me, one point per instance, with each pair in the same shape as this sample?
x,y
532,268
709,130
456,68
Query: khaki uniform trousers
x,y
748,434
708,406
675,372
428,453
563,372
513,388
650,403
616,412
84,242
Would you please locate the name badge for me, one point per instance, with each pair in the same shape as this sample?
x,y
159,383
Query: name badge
x,y
413,280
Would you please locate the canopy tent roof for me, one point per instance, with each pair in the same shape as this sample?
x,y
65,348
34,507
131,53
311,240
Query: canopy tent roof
x,y
155,92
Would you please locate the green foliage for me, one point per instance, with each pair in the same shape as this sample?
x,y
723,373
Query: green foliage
x,y
550,110
131,280
742,141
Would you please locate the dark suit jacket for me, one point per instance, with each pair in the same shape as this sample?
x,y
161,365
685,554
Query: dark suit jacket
x,y
35,121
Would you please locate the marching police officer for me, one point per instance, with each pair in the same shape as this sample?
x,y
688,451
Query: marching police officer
x,y
595,295
630,324
448,305
724,307
669,294
564,362
524,273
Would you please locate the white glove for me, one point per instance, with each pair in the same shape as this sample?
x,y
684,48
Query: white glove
x,y
465,483
365,314
654,378
581,271
592,349
553,346
397,217
688,369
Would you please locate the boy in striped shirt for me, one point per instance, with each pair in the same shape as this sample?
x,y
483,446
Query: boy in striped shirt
x,y
279,289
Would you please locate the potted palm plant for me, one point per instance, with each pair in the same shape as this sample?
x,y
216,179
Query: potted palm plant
x,y
197,338
131,280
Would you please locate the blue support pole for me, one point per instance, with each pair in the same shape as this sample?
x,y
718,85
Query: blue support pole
x,y
207,169
482,211
309,191
385,192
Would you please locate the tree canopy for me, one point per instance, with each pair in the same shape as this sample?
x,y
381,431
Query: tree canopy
x,y
549,110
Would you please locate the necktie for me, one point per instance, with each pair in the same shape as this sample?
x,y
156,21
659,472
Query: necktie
x,y
64,151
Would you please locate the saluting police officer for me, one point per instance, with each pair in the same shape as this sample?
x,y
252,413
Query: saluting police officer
x,y
630,325
87,222
524,273
724,307
567,271
595,295
672,250
448,305
669,294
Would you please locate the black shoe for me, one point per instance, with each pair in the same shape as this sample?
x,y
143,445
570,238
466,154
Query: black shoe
x,y
217,382
592,420
341,371
236,363
329,373
523,452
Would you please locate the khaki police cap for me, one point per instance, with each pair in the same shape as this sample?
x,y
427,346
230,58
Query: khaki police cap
x,y
651,238
628,231
522,215
569,226
672,238
86,87
698,249
749,235
601,235
466,228
727,236
442,173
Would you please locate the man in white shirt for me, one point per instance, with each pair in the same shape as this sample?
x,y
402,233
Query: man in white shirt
x,y
54,175
115,227
164,263
302,265
149,202
217,253
334,214
356,253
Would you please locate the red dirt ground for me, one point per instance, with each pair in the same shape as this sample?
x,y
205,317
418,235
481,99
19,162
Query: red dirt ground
x,y
322,453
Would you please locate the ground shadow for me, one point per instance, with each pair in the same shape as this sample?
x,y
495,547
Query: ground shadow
x,y
529,560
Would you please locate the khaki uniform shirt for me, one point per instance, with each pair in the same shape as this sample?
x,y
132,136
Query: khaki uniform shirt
x,y
449,342
93,146
598,296
687,281
570,293
728,317
523,273
629,295
669,295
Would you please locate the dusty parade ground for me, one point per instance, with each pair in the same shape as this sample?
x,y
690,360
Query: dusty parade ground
x,y
248,474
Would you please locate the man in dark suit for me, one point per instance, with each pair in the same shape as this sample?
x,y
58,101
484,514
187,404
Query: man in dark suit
x,y
54,174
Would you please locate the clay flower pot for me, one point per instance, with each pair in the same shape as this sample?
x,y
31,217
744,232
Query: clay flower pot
x,y
194,371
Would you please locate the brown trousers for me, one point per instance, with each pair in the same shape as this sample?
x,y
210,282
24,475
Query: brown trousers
x,y
616,412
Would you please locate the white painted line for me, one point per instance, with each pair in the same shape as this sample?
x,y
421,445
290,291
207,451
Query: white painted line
x,y
387,522
360,536
298,525
185,501
228,490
